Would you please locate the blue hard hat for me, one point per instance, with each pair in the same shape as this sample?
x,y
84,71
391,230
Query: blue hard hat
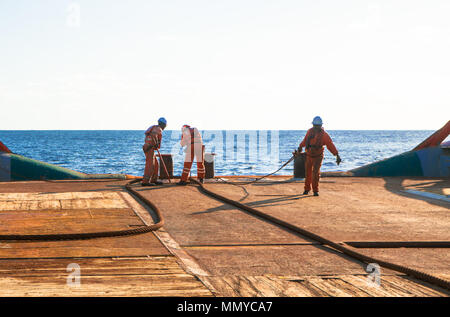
x,y
162,121
317,121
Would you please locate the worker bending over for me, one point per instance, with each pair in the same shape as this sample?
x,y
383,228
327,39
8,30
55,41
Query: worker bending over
x,y
191,138
153,138
314,140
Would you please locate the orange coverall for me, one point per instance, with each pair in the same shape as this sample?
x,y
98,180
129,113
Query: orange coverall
x,y
192,138
314,141
153,137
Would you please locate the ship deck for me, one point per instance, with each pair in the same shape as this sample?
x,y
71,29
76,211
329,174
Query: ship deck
x,y
209,248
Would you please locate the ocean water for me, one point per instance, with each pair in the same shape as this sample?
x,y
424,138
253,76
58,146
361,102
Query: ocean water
x,y
237,152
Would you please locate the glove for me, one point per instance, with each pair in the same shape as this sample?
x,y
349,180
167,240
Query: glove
x,y
338,159
297,152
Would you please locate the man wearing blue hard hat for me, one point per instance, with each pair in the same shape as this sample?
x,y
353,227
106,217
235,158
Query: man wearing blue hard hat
x,y
153,138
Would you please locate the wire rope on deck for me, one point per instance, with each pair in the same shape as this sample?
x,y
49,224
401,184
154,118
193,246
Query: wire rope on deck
x,y
345,250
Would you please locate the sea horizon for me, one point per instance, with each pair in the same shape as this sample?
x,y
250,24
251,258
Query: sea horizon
x,y
238,152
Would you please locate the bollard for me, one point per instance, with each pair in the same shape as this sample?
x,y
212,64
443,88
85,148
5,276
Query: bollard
x,y
209,165
299,165
169,165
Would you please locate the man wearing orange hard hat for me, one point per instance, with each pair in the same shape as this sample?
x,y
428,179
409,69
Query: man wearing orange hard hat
x,y
314,141
191,138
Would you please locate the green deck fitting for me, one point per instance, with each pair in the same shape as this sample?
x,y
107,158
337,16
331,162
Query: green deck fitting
x,y
24,168
405,164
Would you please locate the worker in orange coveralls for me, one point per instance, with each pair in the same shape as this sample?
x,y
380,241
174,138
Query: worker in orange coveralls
x,y
153,137
191,138
314,140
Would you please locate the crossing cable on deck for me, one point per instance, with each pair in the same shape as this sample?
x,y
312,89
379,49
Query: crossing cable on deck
x,y
240,184
356,255
262,177
100,234
281,167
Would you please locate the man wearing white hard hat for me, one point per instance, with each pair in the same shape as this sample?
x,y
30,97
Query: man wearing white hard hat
x,y
314,141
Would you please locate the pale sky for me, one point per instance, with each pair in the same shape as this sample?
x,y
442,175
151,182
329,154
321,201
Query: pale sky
x,y
229,64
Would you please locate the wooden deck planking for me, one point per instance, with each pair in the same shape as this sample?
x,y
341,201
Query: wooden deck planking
x,y
360,282
136,265
135,245
67,214
407,285
55,226
157,276
313,286
60,201
39,268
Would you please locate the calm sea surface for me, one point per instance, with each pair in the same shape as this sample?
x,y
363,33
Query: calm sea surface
x,y
237,152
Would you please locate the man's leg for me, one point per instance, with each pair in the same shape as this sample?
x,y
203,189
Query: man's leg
x,y
308,172
316,164
148,166
189,157
199,156
155,173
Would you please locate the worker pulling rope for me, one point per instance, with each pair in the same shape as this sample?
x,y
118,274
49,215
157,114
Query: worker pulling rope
x,y
345,250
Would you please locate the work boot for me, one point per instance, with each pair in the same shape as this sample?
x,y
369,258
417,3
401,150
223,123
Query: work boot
x,y
306,192
147,184
158,183
201,180
316,193
182,183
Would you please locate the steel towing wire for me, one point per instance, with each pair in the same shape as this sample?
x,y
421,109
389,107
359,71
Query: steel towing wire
x,y
356,255
282,166
100,234
259,178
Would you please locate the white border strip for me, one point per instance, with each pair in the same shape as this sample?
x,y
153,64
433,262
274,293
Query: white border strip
x,y
428,195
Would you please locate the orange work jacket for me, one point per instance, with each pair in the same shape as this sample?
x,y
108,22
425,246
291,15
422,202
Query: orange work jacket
x,y
153,136
315,141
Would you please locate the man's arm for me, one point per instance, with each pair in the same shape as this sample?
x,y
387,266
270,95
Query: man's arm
x,y
159,140
331,147
301,145
183,141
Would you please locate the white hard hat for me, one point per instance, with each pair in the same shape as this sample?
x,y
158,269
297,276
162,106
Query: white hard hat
x,y
317,121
